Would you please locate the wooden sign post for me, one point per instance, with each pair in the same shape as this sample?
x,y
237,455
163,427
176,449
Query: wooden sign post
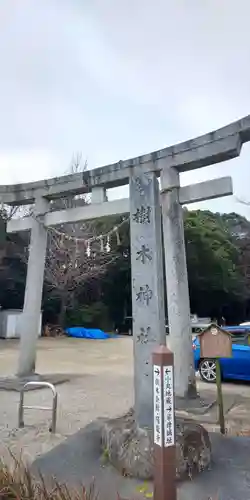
x,y
216,343
164,425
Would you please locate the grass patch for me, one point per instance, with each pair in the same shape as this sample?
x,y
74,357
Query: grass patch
x,y
17,483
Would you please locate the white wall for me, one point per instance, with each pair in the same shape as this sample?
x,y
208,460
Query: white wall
x,y
10,324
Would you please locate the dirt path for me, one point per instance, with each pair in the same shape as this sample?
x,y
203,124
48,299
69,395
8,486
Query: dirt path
x,y
101,384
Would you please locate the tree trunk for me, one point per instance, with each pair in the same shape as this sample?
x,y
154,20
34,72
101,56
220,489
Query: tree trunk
x,y
63,308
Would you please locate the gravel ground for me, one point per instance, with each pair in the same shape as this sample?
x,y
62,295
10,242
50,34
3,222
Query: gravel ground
x,y
100,385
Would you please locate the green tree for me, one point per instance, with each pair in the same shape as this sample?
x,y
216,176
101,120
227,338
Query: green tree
x,y
12,267
116,284
213,261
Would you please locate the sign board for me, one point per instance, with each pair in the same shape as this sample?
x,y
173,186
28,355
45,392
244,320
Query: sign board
x,y
157,405
168,406
164,425
215,342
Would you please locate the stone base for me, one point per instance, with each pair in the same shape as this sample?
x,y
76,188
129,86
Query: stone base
x,y
130,449
16,383
195,405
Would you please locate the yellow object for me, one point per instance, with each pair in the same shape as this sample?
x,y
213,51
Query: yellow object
x,y
143,489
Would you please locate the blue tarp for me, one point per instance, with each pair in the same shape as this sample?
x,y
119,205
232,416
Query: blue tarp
x,y
80,332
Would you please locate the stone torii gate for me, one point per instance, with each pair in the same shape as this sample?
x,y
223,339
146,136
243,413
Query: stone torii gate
x,y
146,245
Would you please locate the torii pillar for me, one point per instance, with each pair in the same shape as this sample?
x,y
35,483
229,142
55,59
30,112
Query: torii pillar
x,y
179,339
29,328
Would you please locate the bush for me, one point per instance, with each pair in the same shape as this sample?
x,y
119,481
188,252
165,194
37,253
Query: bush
x,y
90,316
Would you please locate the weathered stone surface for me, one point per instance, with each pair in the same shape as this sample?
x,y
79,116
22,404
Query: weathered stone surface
x,y
130,449
149,330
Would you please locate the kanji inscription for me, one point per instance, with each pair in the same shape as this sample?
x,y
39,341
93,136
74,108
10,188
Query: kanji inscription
x,y
140,186
142,215
144,295
168,406
143,336
144,254
157,405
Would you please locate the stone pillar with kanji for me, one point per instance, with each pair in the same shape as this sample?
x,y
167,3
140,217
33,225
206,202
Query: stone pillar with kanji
x,y
147,288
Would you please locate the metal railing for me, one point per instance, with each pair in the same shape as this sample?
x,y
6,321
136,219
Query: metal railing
x,y
53,408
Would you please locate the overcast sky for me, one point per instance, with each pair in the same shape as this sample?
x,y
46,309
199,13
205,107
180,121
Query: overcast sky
x,y
115,79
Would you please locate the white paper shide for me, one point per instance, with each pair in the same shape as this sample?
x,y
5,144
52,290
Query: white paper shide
x,y
168,406
157,405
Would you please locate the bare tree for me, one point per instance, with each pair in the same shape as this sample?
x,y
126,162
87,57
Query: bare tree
x,y
70,263
77,252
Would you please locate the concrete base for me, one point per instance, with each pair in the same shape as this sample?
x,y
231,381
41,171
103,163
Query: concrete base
x,y
195,405
77,461
17,383
130,449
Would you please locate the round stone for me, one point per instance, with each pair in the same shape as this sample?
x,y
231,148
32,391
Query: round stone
x,y
130,449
